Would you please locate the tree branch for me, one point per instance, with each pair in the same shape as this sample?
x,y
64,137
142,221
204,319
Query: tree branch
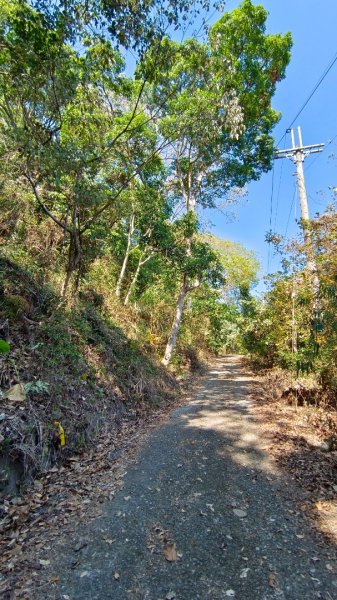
x,y
123,187
125,128
193,286
42,205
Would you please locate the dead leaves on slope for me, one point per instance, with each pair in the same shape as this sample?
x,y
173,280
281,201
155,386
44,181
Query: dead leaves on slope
x,y
51,510
293,437
16,393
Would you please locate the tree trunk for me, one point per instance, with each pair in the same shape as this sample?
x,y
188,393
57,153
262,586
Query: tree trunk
x,y
176,324
74,262
141,262
67,278
190,203
126,257
74,254
133,283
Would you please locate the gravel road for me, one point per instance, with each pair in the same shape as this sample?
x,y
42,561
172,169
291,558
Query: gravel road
x,y
203,515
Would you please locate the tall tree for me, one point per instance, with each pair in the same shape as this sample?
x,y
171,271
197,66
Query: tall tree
x,y
65,119
217,112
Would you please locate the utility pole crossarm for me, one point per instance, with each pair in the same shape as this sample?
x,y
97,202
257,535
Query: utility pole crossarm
x,y
305,150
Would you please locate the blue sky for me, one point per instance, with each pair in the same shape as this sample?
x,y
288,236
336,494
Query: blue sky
x,y
313,27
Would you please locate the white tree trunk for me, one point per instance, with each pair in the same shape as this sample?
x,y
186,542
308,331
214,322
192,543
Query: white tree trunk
x,y
141,262
126,257
190,204
132,284
176,324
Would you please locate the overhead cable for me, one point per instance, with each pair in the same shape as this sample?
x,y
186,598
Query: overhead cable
x,y
319,82
271,211
318,155
291,209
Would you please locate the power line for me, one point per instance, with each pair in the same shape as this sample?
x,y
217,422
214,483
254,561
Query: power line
x,y
291,208
279,189
316,157
319,82
317,85
271,211
315,201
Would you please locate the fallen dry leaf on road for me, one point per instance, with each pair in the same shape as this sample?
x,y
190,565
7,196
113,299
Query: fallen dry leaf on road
x,y
170,553
272,580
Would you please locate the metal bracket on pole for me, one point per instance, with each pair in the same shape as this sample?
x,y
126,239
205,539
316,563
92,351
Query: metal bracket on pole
x,y
298,148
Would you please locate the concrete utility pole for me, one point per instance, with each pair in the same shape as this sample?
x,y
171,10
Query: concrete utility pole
x,y
297,154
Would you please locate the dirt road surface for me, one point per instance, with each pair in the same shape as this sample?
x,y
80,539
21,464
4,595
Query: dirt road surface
x,y
203,515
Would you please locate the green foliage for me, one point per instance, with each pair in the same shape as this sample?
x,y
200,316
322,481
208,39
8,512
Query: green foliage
x,y
216,324
102,173
295,325
133,25
58,346
218,108
37,387
240,265
4,347
102,178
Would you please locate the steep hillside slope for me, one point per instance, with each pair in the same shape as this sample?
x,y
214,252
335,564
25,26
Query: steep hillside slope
x,y
70,370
